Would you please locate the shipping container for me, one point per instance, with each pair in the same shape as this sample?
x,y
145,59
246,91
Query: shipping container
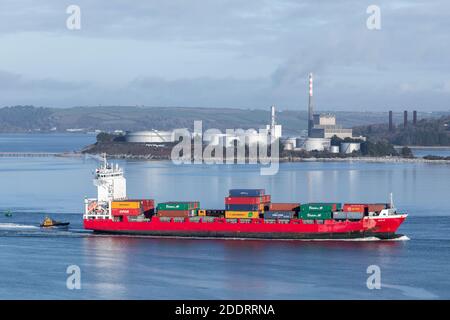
x,y
246,192
355,215
147,204
354,207
133,204
279,214
284,206
317,215
215,213
376,207
339,215
201,213
185,205
177,213
241,214
243,207
243,200
126,212
320,207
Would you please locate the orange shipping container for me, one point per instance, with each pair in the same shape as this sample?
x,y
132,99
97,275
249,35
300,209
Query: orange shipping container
x,y
125,204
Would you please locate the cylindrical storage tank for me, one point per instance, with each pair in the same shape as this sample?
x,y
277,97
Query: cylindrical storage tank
x,y
334,149
288,145
150,136
349,147
319,144
292,141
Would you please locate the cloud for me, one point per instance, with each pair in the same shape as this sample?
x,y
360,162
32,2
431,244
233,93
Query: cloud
x,y
227,52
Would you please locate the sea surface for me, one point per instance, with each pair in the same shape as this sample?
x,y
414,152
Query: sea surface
x,y
34,262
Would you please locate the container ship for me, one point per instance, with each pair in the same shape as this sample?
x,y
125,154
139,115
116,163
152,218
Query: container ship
x,y
248,213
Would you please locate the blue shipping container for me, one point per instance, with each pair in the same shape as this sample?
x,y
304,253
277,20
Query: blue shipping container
x,y
278,215
246,192
241,207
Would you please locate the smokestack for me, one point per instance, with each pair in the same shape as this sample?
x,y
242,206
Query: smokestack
x,y
414,117
405,119
310,106
272,119
391,123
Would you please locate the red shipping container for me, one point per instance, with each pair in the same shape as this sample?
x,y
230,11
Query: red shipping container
x,y
126,212
266,198
353,207
243,200
284,206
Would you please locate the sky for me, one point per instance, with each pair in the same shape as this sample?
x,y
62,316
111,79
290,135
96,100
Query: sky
x,y
226,53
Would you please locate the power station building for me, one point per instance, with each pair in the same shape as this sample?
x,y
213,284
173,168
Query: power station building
x,y
322,127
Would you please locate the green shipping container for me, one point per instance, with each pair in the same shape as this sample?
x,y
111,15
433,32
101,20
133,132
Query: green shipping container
x,y
178,205
320,207
315,215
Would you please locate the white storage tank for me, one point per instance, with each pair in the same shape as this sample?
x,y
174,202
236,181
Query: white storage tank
x,y
349,147
334,149
153,136
319,144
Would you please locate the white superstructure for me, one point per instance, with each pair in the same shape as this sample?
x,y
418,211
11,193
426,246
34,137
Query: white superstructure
x,y
111,185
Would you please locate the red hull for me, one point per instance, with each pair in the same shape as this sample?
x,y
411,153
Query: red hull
x,y
383,228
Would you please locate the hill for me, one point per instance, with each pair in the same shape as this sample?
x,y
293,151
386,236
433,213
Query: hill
x,y
41,119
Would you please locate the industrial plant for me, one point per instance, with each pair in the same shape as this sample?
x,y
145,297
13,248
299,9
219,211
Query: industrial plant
x,y
322,127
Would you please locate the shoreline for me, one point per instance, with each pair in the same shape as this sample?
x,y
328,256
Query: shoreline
x,y
295,159
267,160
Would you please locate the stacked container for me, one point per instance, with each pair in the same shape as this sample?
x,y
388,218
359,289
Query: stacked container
x,y
246,203
318,211
181,209
133,207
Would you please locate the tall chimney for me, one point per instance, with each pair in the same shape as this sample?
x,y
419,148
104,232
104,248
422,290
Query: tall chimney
x,y
405,119
310,106
272,118
391,124
414,117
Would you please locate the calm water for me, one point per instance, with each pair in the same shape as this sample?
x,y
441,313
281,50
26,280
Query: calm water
x,y
55,142
33,262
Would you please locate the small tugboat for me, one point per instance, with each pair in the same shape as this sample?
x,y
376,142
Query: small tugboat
x,y
48,223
